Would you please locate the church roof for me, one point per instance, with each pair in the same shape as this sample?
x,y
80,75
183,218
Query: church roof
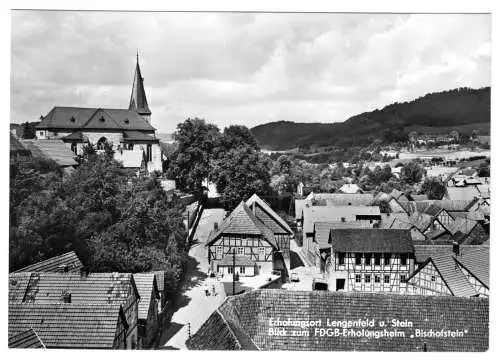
x,y
80,118
138,101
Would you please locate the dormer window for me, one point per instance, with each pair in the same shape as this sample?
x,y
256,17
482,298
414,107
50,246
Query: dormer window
x,y
101,119
72,119
126,121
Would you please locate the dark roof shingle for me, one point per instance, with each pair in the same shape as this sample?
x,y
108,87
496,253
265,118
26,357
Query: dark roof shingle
x,y
57,264
371,240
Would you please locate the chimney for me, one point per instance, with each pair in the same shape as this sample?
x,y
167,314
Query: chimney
x,y
66,297
456,248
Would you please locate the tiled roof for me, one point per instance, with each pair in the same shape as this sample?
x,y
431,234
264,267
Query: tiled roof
x,y
371,240
268,216
462,225
252,311
78,118
26,340
336,213
419,197
54,149
18,282
448,205
76,136
476,259
146,285
322,230
94,288
453,277
57,264
160,279
67,325
242,221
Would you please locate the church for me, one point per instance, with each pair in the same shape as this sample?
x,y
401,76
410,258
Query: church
x,y
128,130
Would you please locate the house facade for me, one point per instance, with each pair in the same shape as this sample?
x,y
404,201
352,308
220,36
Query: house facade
x,y
370,260
242,238
147,308
128,130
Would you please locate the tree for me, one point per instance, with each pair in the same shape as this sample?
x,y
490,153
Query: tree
x,y
28,130
198,144
412,173
434,188
239,135
239,174
484,169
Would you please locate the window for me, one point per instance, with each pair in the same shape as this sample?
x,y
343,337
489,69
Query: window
x,y
130,146
377,259
402,278
262,251
358,278
101,143
240,251
242,270
403,260
74,148
368,259
367,278
55,133
341,258
149,152
377,278
358,259
218,250
387,278
387,259
433,278
230,269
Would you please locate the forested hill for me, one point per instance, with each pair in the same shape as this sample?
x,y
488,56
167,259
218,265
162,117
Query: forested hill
x,y
462,109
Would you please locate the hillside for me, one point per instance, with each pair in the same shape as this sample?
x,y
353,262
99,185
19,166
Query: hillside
x,y
462,109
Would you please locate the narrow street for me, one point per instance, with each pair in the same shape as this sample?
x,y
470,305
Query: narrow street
x,y
193,306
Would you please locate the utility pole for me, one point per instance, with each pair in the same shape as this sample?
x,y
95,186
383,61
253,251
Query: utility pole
x,y
234,270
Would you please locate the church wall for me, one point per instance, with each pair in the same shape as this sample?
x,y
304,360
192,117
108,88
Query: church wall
x,y
112,137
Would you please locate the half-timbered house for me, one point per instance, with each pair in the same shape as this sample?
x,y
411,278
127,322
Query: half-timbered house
x,y
370,260
244,239
281,230
461,272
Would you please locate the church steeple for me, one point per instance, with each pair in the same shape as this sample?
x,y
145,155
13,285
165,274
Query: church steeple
x,y
138,101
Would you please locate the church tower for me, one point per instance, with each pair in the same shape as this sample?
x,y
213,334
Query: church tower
x,y
138,101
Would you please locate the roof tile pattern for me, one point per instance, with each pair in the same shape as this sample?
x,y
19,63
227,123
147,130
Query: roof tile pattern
x,y
54,149
251,312
57,264
371,240
66,326
268,216
146,286
26,340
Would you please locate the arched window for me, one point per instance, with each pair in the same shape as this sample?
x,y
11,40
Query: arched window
x,y
101,143
149,152
74,148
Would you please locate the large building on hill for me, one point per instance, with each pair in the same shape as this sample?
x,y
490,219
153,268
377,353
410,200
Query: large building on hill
x,y
128,130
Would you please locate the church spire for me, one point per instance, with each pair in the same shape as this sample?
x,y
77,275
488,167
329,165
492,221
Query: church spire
x,y
138,101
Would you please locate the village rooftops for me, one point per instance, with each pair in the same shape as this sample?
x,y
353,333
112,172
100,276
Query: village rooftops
x,y
313,214
371,241
341,199
242,222
475,261
242,322
75,326
67,262
72,288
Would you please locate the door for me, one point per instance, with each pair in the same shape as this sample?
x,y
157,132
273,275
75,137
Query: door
x,y
340,284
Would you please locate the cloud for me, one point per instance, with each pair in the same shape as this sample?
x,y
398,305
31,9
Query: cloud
x,y
242,67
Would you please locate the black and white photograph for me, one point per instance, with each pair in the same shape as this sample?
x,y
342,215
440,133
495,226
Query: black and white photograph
x,y
249,180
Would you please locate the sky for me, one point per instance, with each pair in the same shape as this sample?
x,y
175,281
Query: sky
x,y
242,68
